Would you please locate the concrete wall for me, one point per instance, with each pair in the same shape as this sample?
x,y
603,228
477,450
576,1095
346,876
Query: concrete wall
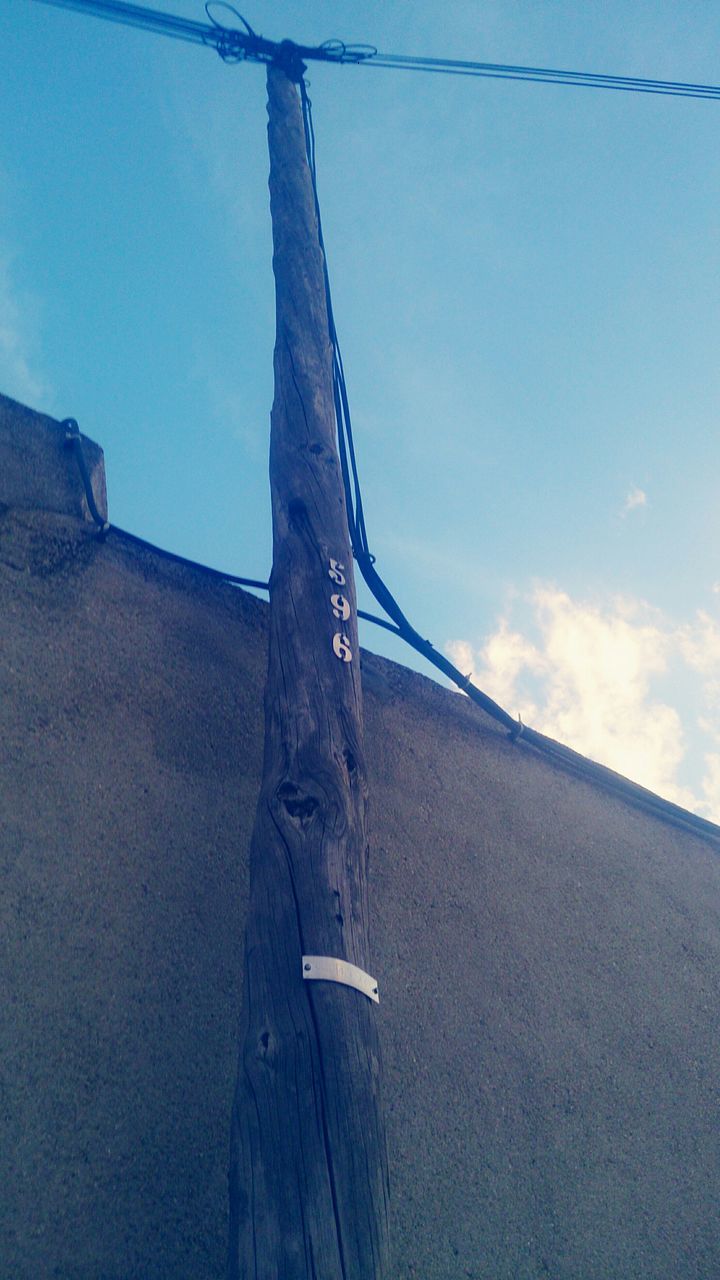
x,y
548,954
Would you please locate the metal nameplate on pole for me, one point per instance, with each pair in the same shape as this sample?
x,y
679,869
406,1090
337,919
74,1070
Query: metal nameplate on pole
x,y
328,969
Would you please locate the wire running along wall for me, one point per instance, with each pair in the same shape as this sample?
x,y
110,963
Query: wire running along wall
x,y
239,44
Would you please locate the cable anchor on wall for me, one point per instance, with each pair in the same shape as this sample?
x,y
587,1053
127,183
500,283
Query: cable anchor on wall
x,y
73,440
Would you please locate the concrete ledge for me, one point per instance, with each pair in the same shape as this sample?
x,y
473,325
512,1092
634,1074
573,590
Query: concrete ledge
x,y
37,470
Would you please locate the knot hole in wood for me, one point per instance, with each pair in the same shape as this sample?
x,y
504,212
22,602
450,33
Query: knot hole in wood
x,y
298,804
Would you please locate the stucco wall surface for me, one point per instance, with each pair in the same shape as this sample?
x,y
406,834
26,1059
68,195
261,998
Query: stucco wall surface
x,y
548,955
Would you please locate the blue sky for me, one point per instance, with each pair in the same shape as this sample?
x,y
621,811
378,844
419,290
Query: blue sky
x,y
525,281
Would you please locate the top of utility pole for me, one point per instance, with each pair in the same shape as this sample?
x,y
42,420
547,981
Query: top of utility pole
x,y
233,44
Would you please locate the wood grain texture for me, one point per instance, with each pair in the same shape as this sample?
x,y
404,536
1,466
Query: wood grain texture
x,y
308,1175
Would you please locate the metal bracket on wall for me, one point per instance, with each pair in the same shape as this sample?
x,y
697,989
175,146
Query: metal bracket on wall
x,y
328,969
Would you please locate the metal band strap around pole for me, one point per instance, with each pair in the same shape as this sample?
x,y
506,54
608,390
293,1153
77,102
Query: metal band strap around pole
x,y
329,969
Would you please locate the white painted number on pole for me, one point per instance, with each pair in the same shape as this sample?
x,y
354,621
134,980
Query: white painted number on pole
x,y
340,607
341,647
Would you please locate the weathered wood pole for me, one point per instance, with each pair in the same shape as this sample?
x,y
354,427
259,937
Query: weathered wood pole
x,y
308,1175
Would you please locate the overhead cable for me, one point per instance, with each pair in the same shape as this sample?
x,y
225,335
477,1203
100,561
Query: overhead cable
x,y
73,440
231,43
565,756
543,75
243,44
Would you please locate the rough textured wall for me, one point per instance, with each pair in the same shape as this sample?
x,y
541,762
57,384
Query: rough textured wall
x,y
548,955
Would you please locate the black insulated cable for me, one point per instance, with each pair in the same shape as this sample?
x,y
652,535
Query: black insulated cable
x,y
74,442
568,759
236,45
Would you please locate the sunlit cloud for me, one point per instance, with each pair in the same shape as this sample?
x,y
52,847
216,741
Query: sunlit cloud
x,y
711,785
587,674
461,652
635,498
700,644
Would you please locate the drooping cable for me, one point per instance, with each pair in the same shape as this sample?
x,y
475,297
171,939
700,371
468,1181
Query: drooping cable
x,y
74,442
351,479
234,45
346,447
568,758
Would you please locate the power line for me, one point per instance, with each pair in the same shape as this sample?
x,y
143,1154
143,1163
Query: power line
x,y
543,75
234,44
569,759
135,15
231,43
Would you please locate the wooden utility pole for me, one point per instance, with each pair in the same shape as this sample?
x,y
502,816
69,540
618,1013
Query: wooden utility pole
x,y
308,1176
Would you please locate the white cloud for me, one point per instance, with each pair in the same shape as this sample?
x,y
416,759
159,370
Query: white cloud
x,y
711,785
18,342
634,499
461,653
700,644
587,674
